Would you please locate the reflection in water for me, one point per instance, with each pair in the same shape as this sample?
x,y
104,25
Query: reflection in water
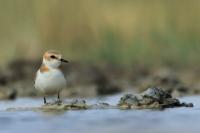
x,y
110,120
52,113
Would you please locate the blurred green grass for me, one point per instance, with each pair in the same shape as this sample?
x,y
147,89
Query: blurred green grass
x,y
155,32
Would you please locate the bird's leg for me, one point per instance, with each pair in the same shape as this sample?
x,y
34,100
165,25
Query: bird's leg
x,y
58,95
58,100
45,102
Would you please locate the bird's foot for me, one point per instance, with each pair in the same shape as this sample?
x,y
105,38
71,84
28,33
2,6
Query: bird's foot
x,y
47,103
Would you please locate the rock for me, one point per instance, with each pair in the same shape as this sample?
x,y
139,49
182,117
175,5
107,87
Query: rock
x,y
78,104
102,106
7,93
151,98
12,95
187,104
156,93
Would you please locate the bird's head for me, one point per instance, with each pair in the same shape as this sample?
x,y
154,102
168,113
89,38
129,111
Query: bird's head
x,y
53,59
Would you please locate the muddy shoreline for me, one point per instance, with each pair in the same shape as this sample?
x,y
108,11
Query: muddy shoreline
x,y
90,80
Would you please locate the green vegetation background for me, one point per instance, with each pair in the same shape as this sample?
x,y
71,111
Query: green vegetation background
x,y
153,32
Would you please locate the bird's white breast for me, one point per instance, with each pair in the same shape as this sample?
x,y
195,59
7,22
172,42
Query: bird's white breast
x,y
52,80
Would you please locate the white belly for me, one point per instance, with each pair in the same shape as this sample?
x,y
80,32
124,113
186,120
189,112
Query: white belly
x,y
50,82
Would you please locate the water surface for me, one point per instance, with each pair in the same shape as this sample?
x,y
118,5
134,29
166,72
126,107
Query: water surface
x,y
172,120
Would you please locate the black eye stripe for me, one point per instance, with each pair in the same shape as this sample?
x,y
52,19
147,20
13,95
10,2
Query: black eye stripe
x,y
53,57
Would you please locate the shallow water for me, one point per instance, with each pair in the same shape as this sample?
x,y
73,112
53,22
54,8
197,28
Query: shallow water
x,y
173,120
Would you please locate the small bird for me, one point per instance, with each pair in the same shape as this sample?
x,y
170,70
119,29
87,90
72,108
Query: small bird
x,y
49,78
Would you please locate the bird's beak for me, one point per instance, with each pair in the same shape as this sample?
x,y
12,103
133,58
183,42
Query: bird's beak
x,y
63,60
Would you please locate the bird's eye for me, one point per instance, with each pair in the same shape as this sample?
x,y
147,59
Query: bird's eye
x,y
53,57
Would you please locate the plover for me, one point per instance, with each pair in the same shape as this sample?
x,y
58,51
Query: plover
x,y
49,77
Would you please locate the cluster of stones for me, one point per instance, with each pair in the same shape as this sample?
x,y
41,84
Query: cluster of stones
x,y
154,98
